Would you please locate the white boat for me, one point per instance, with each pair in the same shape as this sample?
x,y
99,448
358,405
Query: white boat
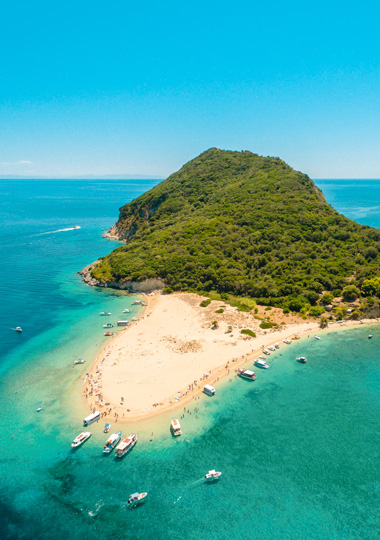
x,y
107,427
111,442
271,348
277,345
82,437
126,445
126,311
137,498
91,418
209,390
175,426
302,359
134,319
122,323
39,409
136,303
213,475
247,374
105,313
261,364
18,329
76,227
108,325
317,337
79,361
287,341
265,351
369,337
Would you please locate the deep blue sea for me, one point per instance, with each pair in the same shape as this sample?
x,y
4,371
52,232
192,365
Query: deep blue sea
x,y
299,448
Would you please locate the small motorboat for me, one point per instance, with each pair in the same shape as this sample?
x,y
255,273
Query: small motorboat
x,y
271,348
18,329
370,336
137,498
261,364
108,325
79,361
265,351
213,475
108,333
277,345
105,313
82,437
287,341
107,427
126,311
296,337
302,359
317,337
39,409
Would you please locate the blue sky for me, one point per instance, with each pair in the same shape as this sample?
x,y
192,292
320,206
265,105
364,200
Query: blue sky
x,y
142,87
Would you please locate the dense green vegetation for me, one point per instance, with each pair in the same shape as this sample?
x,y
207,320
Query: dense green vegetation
x,y
248,332
240,224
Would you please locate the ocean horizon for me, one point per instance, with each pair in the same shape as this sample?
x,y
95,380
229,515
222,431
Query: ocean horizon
x,y
299,449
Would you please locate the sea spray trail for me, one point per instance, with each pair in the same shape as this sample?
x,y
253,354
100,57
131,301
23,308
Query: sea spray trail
x,y
57,231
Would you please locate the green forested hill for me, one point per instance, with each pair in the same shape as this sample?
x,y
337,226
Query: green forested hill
x,y
244,224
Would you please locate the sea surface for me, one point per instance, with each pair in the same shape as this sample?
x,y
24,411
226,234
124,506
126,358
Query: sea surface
x,y
299,448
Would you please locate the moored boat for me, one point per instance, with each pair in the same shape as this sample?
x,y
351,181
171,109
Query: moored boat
x,y
111,442
107,427
370,336
271,348
126,445
137,498
209,390
126,311
317,337
296,337
108,325
122,323
277,345
82,437
108,333
302,359
39,409
213,475
261,363
265,351
105,313
175,426
91,418
136,303
79,361
287,341
247,374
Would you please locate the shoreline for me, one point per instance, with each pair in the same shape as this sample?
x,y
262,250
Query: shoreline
x,y
138,375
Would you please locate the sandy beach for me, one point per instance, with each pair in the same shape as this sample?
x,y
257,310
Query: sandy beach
x,y
163,360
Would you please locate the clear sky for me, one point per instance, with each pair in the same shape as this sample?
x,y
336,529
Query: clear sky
x,y
124,87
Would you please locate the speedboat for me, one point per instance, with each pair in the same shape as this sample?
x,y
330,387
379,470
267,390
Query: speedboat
x,y
137,498
287,341
213,475
107,427
82,437
126,445
277,345
136,303
265,351
39,409
271,348
79,361
261,364
262,357
126,311
105,313
108,325
108,333
175,426
112,442
317,337
296,337
369,337
18,329
247,374
302,359
76,227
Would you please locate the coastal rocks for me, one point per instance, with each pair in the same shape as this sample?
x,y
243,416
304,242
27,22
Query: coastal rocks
x,y
146,286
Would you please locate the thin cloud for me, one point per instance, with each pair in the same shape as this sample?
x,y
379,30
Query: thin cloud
x,y
20,162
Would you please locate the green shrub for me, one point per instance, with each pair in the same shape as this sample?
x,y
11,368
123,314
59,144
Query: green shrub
x,y
286,310
219,310
248,332
205,303
266,324
316,311
167,290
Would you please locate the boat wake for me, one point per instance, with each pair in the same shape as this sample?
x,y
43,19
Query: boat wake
x,y
58,231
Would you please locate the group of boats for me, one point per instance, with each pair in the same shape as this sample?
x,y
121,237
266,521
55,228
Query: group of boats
x,y
122,448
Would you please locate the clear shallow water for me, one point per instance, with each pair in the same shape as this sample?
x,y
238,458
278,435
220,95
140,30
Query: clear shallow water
x,y
299,448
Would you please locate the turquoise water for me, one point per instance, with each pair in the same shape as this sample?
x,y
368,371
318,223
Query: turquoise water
x,y
299,448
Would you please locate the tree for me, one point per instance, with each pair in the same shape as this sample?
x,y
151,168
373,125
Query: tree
x,y
327,298
350,293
